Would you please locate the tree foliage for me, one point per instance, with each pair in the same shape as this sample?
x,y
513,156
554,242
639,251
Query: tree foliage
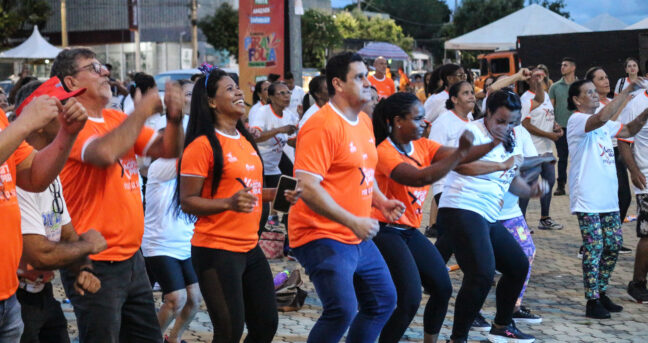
x,y
473,14
319,34
17,15
221,29
557,6
421,19
357,25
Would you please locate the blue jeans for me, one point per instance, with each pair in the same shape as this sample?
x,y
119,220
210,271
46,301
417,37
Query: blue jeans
x,y
354,285
11,324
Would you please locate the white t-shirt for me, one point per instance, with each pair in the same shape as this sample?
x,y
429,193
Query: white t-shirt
x,y
618,88
265,119
435,105
523,143
592,172
296,98
446,131
164,234
483,194
640,147
38,218
541,117
311,110
254,108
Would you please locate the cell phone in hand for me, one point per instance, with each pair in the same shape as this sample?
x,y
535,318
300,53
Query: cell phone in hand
x,y
280,203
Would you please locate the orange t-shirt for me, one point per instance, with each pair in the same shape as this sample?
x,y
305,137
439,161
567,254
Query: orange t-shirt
x,y
385,87
343,155
107,199
229,230
10,213
423,151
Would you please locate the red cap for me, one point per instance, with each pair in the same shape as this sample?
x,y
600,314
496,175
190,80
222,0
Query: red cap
x,y
51,87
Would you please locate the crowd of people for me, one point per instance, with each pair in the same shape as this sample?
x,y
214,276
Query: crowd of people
x,y
123,195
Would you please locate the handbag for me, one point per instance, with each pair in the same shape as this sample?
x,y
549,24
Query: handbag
x,y
272,243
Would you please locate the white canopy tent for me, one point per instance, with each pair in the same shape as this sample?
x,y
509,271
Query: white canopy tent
x,y
34,48
605,22
502,34
642,24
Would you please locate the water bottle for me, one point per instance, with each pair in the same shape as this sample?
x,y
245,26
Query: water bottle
x,y
281,278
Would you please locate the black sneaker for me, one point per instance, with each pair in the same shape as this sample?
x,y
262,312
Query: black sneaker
x,y
508,334
595,309
431,231
609,305
637,290
524,315
480,323
560,191
549,224
625,250
580,251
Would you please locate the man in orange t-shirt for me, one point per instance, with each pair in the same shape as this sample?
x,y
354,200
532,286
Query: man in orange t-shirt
x,y
101,187
330,229
380,80
22,166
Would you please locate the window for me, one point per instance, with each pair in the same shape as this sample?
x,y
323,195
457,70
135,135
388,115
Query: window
x,y
499,66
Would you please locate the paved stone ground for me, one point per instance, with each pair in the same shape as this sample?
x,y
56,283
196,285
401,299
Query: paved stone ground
x,y
555,292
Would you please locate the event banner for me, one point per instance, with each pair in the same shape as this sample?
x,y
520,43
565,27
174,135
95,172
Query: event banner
x,y
261,42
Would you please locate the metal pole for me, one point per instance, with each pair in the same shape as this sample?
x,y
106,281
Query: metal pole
x,y
295,43
136,33
64,33
194,33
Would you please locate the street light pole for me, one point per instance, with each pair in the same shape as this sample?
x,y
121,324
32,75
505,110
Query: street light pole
x,y
194,33
64,33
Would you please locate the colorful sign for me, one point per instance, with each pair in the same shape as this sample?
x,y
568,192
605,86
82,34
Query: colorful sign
x,y
261,42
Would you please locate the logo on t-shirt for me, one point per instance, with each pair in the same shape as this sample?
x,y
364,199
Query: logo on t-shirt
x,y
418,197
231,158
607,154
352,148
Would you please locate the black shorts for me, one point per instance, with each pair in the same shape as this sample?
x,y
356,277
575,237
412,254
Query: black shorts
x,y
642,215
172,274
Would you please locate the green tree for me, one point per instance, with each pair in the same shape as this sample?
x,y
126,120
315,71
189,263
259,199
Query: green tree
x,y
357,25
473,14
221,29
319,34
557,6
16,16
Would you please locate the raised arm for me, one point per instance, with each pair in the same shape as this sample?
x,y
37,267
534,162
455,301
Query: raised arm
x,y
38,170
521,75
106,150
597,120
170,144
630,129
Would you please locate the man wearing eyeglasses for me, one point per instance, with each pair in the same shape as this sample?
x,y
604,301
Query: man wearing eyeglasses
x,y
101,186
21,165
49,239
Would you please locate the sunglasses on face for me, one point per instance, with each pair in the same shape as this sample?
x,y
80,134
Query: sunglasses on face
x,y
95,67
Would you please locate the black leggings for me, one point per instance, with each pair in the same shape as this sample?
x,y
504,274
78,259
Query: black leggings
x,y
480,247
625,197
238,289
413,261
443,242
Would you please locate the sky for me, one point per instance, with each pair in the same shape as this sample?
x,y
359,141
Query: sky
x,y
581,11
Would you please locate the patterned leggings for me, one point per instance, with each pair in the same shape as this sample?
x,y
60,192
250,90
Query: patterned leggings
x,y
518,228
602,239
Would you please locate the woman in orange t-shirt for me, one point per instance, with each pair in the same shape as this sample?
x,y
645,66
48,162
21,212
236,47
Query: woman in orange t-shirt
x,y
407,165
220,178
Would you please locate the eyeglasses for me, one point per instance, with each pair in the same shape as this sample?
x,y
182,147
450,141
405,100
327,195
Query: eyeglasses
x,y
94,66
57,203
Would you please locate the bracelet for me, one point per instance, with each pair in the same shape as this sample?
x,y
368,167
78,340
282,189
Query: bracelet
x,y
87,269
174,121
